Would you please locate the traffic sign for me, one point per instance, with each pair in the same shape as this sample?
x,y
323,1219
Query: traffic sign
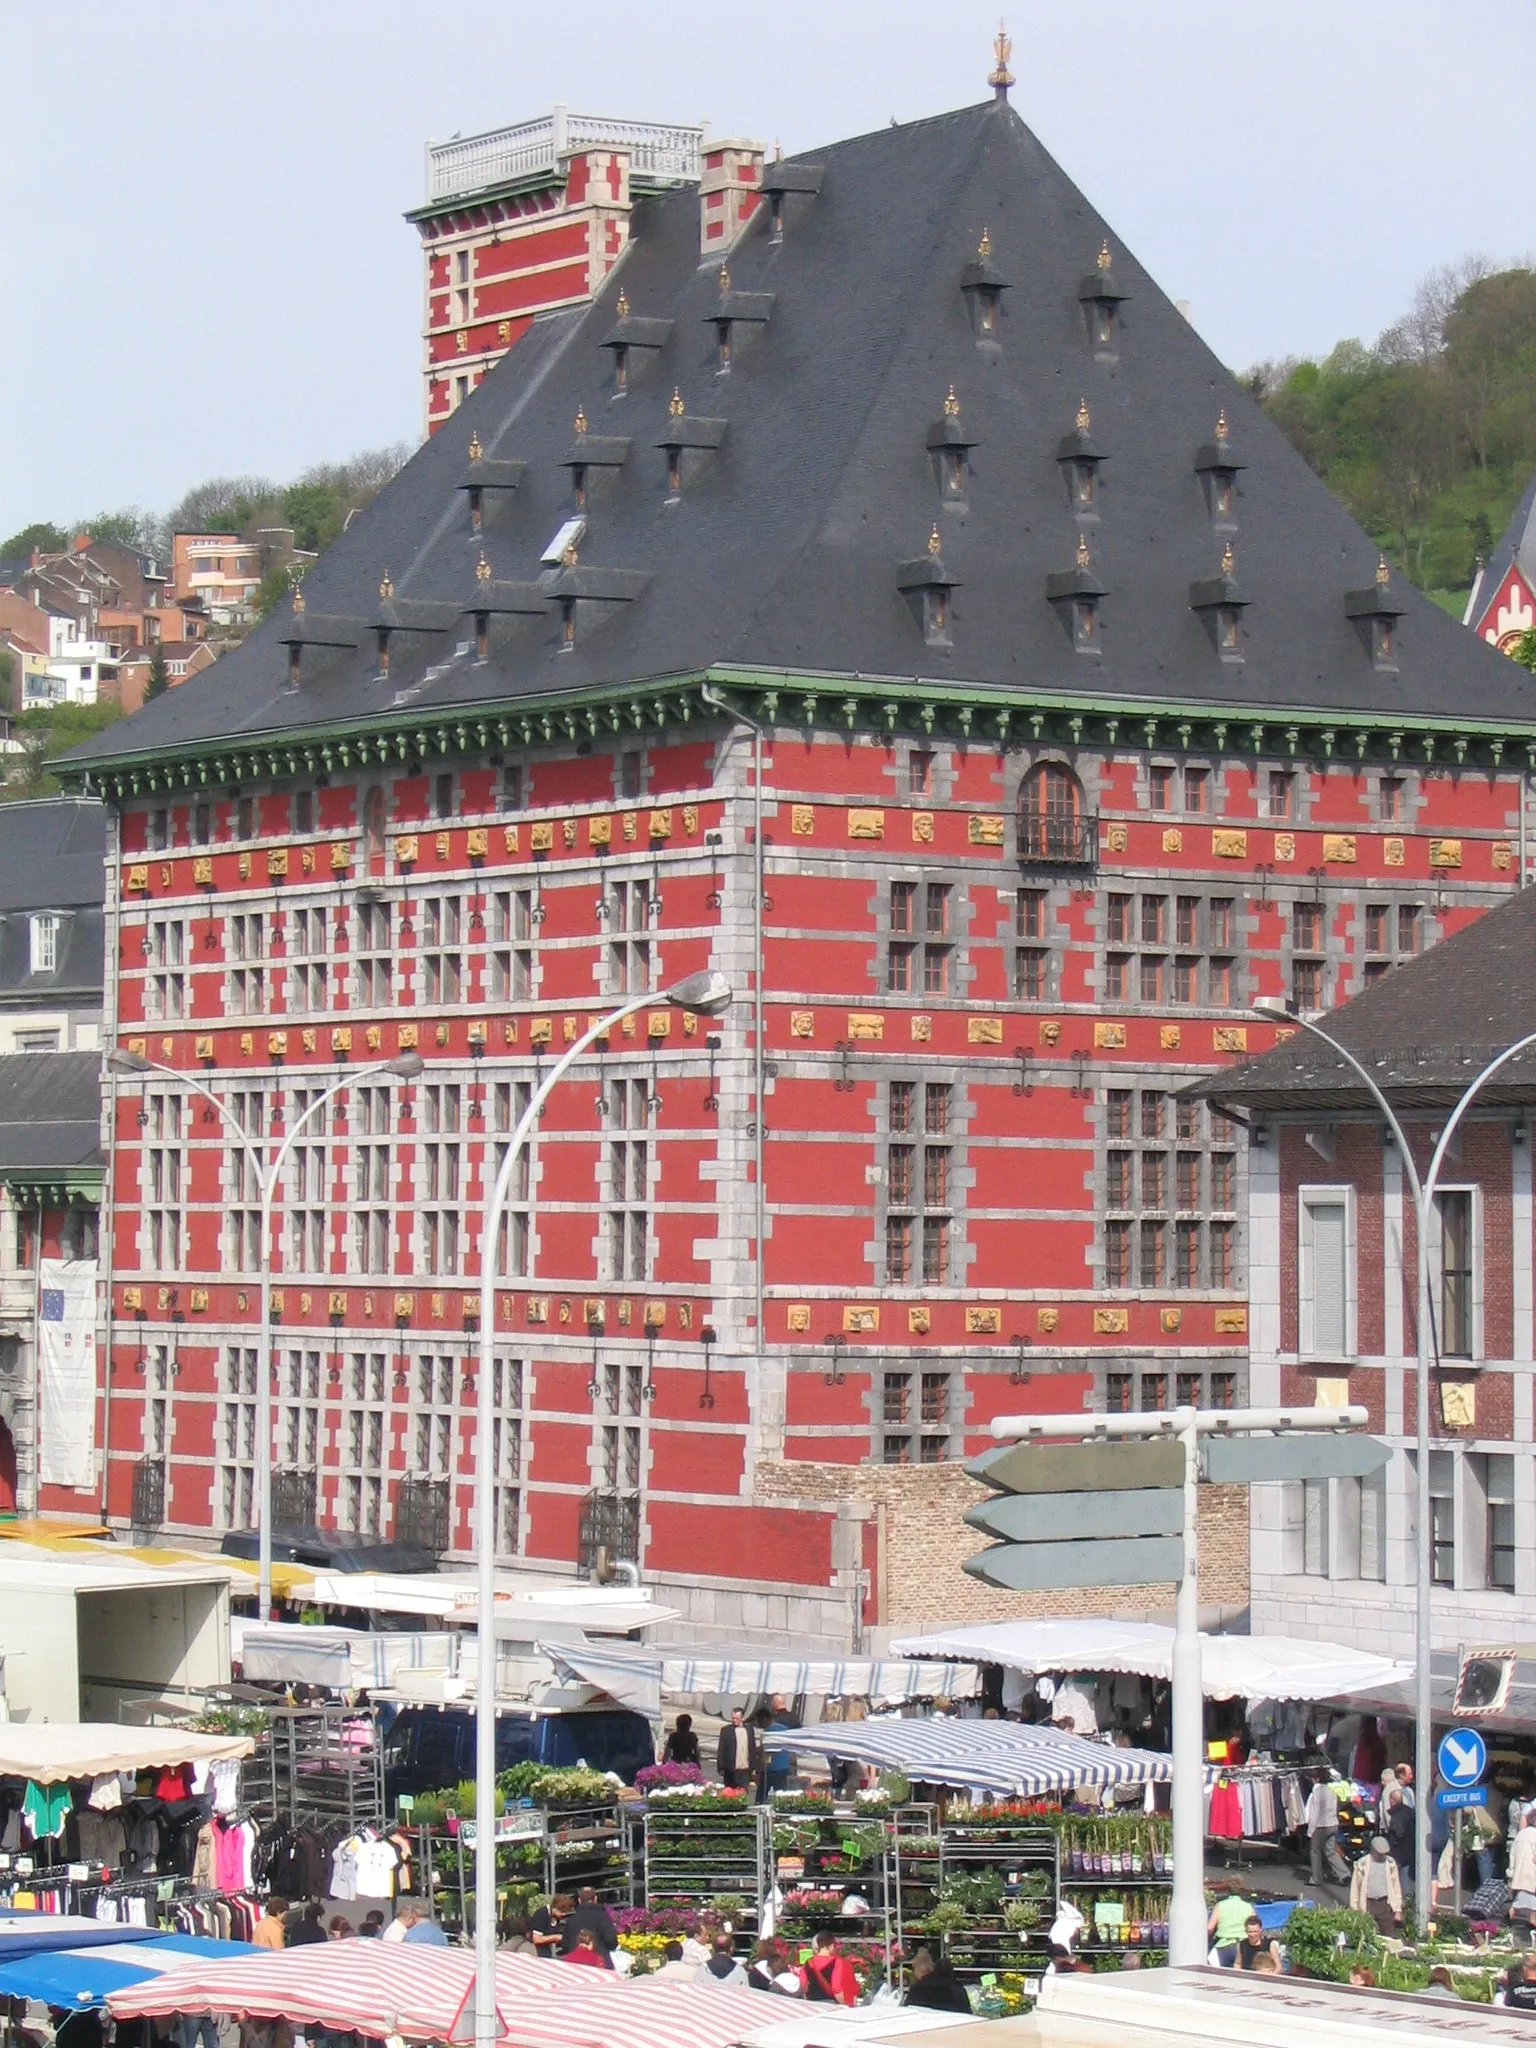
x,y
1449,1797
1061,1517
1111,1561
1462,1757
1229,1460
1081,1468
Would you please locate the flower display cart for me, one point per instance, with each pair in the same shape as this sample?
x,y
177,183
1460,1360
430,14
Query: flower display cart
x,y
703,1846
1118,1872
826,1852
986,1884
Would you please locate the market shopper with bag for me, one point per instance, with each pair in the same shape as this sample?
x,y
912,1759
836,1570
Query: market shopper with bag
x,y
827,1975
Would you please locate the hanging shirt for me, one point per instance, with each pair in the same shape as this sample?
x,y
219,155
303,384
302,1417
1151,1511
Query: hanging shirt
x,y
174,1783
45,1809
374,1865
107,1790
344,1869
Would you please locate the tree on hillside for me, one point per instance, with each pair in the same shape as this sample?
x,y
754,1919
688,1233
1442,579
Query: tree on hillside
x,y
48,540
159,678
44,734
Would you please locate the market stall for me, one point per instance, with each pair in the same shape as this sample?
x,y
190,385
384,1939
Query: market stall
x,y
422,1994
78,1977
639,1677
1002,1757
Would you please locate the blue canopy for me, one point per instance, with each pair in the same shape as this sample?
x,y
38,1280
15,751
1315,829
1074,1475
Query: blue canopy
x,y
30,1934
79,1977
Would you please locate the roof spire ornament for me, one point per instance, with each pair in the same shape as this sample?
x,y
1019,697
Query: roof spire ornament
x,y
1084,417
934,543
623,305
581,419
1223,431
725,280
482,569
1083,556
1228,560
386,587
675,405
476,452
570,557
1383,573
298,601
778,150
984,246
1000,77
1105,259
951,405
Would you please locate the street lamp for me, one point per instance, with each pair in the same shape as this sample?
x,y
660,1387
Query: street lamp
x,y
404,1067
1424,1191
705,994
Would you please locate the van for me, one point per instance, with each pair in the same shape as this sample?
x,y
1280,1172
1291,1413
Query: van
x,y
331,1550
429,1749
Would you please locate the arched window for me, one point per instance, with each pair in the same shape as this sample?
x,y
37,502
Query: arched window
x,y
373,822
1051,822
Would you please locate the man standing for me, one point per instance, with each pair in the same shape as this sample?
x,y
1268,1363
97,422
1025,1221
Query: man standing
x,y
736,1758
589,1914
1322,1818
1377,1889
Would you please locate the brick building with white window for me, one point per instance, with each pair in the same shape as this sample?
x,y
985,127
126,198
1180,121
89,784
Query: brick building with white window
x,y
1331,1266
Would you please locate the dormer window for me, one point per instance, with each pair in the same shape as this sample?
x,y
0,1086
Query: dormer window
x,y
1221,604
743,312
631,339
779,181
926,584
949,447
484,475
1080,459
1217,467
1075,595
43,942
688,443
1375,613
592,458
983,285
1101,299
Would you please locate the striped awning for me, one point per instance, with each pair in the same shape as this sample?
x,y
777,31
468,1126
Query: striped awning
x,y
425,1994
639,1677
991,1756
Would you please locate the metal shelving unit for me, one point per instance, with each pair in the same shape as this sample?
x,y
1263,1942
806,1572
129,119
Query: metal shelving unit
x,y
691,1858
1026,1862
305,1769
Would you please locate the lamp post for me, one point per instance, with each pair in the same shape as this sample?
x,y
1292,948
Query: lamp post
x,y
1425,1189
405,1067
705,994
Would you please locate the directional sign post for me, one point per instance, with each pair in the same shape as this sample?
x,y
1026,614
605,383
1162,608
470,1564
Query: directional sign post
x,y
1451,1798
1462,1758
1118,1507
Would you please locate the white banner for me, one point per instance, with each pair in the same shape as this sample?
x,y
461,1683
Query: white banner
x,y
66,1357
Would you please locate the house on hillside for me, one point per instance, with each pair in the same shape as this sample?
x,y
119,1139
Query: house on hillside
x,y
1501,605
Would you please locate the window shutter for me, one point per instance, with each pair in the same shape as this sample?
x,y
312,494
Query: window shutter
x,y
1330,1334
1373,1530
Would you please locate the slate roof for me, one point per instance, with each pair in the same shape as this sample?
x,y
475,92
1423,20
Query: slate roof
x,y
1424,1031
781,551
51,858
50,1112
1516,548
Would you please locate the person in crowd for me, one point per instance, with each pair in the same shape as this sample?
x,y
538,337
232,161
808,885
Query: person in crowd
x,y
1522,1876
1376,1888
1370,1752
723,1970
310,1927
737,1754
1267,1965
588,1913
1229,1918
1244,1954
1396,1821
1440,1986
935,1985
515,1936
674,1965
339,1927
423,1931
586,1951
544,1927
1322,1823
778,1764
1519,1986
827,1976
682,1745
1362,1976
270,1930
371,1927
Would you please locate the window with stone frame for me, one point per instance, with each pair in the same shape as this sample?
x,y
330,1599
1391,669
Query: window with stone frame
x,y
373,969
1309,969
1389,932
509,1104
1033,963
920,1196
631,955
165,1178
629,1114
432,1417
918,1417
438,1187
1170,1193
242,1205
308,1193
619,1401
513,931
1182,950
245,981
442,959
237,1437
307,942
372,1180
364,1439
507,1452
298,1411
170,950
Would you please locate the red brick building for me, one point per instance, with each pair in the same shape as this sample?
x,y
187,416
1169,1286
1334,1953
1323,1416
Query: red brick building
x,y
1332,1263
909,617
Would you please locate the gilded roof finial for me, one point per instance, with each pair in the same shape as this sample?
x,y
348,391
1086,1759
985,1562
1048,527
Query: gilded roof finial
x,y
1000,77
934,542
984,246
1228,560
951,405
570,556
476,452
386,588
1083,557
676,406
581,419
623,305
298,601
1105,259
778,150
482,569
725,279
1222,429
1383,573
1084,417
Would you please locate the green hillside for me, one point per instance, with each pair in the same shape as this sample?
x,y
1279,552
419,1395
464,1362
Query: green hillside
x,y
1429,437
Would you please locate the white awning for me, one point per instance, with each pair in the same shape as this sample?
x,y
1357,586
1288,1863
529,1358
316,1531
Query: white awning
x,y
48,1751
1232,1667
639,1677
993,1756
283,1652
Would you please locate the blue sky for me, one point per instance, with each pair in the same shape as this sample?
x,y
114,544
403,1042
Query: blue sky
x,y
209,274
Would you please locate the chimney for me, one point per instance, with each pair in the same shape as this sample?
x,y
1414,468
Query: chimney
x,y
729,190
81,542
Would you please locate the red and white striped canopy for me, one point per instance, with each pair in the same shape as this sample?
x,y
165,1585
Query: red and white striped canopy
x,y
383,1988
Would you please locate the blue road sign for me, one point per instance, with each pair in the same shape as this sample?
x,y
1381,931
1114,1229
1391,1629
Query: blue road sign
x,y
1462,1757
1449,1797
